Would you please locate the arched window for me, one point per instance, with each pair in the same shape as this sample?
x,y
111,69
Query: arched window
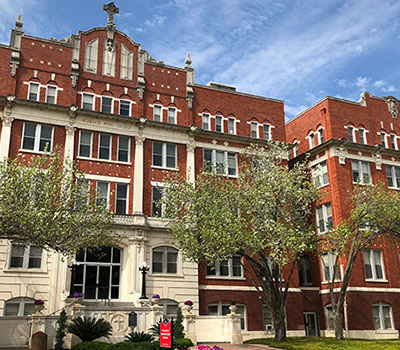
x,y
382,316
165,260
19,307
97,273
170,306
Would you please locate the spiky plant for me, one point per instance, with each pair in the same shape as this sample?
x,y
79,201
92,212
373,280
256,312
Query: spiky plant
x,y
89,328
139,337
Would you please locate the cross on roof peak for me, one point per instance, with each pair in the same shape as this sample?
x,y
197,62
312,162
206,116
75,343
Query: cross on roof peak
x,y
111,9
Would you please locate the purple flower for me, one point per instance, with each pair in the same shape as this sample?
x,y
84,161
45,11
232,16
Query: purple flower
x,y
156,296
77,295
188,302
38,302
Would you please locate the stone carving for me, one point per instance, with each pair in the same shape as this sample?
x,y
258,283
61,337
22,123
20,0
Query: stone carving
x,y
139,140
112,10
188,60
69,130
72,112
191,146
378,157
74,72
393,105
341,152
119,323
109,57
6,117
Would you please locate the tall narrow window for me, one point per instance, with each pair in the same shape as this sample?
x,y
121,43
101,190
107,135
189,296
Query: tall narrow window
x,y
267,131
157,113
328,267
125,108
123,148
51,94
85,143
206,121
121,199
231,126
171,115
321,138
34,90
383,139
219,127
311,140
393,176
102,193
324,217
295,150
84,192
382,316
37,137
104,146
87,102
361,134
373,264
90,64
156,206
254,129
165,260
361,171
106,104
350,133
126,63
303,267
320,174
393,142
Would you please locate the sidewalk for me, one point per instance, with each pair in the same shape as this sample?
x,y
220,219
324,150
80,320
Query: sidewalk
x,y
228,346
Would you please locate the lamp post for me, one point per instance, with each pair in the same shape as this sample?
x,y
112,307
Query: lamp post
x,y
143,268
74,265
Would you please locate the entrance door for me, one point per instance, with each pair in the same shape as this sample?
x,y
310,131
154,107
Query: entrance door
x,y
311,324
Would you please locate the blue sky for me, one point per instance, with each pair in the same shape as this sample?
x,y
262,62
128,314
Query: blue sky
x,y
295,50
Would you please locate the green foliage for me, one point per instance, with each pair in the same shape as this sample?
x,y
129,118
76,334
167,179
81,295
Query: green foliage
x,y
154,330
92,345
178,325
44,201
138,337
61,330
182,343
89,328
318,343
128,345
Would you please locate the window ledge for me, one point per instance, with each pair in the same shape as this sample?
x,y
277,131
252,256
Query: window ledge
x,y
164,168
394,188
32,151
165,275
236,278
103,160
25,271
375,280
322,186
385,331
326,282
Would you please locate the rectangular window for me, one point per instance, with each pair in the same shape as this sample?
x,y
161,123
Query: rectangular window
x,y
87,102
105,146
34,92
206,121
382,316
295,150
121,199
231,126
165,260
361,171
311,140
320,174
25,256
393,142
85,143
254,129
330,318
226,268
219,126
125,108
171,115
51,94
267,131
123,148
321,138
164,155
328,267
393,176
224,163
303,267
157,207
373,264
383,139
102,193
157,113
106,104
267,318
37,137
324,217
84,192
350,133
361,134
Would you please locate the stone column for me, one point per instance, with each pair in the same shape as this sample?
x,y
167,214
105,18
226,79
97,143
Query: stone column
x,y
138,177
69,144
234,327
7,120
190,161
189,323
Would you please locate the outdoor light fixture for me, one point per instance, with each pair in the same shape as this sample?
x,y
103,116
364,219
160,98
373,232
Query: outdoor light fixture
x,y
143,268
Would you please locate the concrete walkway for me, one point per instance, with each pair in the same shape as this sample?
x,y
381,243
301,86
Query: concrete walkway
x,y
228,346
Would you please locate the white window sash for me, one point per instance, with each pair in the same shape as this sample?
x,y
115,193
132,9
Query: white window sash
x,y
55,93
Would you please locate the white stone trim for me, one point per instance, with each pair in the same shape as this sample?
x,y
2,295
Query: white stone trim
x,y
107,178
218,147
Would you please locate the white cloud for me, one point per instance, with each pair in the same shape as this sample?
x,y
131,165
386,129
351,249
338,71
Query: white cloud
x,y
344,83
362,82
292,111
384,86
155,21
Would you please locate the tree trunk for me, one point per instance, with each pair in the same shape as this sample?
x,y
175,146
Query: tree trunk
x,y
279,323
339,322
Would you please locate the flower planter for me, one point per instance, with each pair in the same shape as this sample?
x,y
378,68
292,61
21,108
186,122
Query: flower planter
x,y
155,301
233,308
38,308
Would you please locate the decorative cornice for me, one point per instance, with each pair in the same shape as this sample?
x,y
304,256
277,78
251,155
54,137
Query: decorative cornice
x,y
393,105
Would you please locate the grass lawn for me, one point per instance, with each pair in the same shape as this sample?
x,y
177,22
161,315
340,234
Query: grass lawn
x,y
316,343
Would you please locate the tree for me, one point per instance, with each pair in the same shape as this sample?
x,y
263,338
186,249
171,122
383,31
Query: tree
x,y
262,216
61,330
46,202
374,212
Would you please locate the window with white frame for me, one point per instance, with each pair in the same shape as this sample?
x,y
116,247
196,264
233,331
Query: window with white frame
x,y
383,139
295,150
51,94
85,143
106,104
321,138
219,123
97,273
254,129
84,192
126,63
328,267
267,131
330,318
125,108
267,318
102,190
90,63
223,309
105,141
382,316
231,267
123,148
393,142
171,115
362,136
304,271
222,162
37,137
87,102
231,126
121,199
33,91
170,307
25,256
157,113
393,176
373,264
320,174
311,140
157,208
164,155
165,260
19,306
361,171
350,134
324,217
206,121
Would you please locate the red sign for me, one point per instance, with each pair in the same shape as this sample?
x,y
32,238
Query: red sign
x,y
165,334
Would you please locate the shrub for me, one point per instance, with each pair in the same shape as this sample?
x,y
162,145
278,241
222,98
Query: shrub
x,y
178,325
139,337
61,330
182,343
92,345
128,345
89,328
